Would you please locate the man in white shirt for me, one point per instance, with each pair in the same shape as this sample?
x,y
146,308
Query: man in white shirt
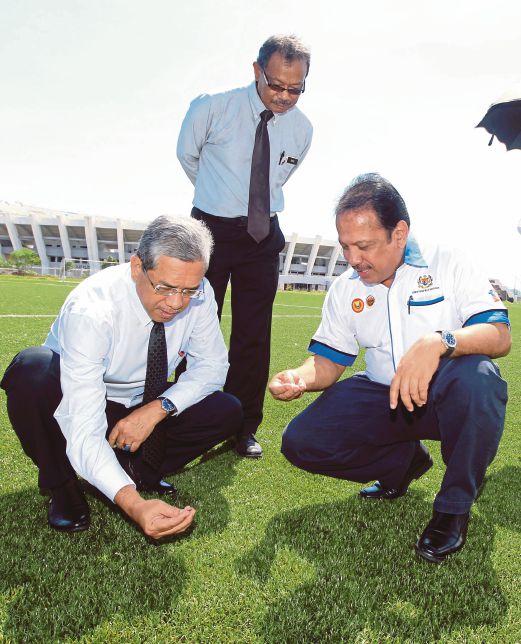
x,y
80,395
430,322
239,148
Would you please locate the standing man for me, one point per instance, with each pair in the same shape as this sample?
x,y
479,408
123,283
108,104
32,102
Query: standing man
x,y
239,148
430,324
100,382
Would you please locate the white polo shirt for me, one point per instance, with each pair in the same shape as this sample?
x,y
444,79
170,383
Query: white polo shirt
x,y
434,289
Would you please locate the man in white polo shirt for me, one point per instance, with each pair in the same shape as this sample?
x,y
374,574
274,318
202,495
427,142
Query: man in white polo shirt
x,y
430,324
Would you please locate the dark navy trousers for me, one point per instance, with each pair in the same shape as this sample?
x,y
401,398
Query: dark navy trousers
x,y
32,385
350,432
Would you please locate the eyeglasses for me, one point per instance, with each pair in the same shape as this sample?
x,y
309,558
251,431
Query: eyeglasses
x,y
294,91
166,291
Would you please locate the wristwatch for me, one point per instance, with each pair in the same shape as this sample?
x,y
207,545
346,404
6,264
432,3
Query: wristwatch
x,y
168,406
449,342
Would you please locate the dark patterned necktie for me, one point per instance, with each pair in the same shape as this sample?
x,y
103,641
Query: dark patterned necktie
x,y
155,385
259,197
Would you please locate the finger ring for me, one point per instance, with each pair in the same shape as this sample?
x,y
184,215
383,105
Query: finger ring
x,y
126,448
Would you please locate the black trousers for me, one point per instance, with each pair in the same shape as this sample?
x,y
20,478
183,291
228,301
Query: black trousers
x,y
253,271
32,385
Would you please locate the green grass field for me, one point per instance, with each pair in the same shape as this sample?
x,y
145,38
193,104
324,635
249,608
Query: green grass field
x,y
276,555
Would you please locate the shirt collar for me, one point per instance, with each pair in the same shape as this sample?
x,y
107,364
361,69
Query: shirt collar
x,y
413,256
133,298
257,106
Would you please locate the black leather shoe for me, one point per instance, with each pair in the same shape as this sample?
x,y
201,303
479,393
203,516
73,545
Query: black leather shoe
x,y
248,447
445,533
161,487
421,463
68,509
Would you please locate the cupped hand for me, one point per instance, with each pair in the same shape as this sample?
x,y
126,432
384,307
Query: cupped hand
x,y
287,385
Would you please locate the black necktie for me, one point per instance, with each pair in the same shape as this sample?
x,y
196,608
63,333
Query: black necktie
x,y
155,385
259,199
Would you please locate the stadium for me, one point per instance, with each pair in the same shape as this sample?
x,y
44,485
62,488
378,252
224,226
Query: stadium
x,y
72,242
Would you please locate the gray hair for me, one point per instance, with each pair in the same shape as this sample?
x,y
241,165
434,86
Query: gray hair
x,y
288,46
181,237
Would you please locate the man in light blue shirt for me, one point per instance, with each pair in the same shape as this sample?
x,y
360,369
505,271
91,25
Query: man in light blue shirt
x,y
219,151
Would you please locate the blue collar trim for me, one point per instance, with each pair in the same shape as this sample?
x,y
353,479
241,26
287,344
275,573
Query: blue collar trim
x,y
413,255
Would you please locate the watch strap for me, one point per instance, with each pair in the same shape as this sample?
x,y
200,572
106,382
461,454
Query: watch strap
x,y
449,349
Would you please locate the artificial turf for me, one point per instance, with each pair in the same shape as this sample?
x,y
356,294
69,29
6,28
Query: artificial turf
x,y
276,555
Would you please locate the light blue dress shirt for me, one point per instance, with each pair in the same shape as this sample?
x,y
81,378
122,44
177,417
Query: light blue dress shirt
x,y
215,148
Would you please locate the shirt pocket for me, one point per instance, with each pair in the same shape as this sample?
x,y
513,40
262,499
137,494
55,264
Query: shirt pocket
x,y
413,303
283,170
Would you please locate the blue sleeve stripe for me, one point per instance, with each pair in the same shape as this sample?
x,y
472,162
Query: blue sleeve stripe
x,y
321,349
494,315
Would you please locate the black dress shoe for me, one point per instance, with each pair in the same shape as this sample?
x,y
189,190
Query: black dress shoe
x,y
445,533
160,487
421,463
68,509
248,447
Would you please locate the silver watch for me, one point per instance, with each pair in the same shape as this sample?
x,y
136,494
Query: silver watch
x,y
449,342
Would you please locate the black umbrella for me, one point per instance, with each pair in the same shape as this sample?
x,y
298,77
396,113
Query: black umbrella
x,y
503,121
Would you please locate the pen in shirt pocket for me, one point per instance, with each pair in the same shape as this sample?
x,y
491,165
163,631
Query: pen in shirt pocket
x,y
282,159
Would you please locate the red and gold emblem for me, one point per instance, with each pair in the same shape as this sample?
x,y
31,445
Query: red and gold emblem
x,y
424,281
369,300
357,305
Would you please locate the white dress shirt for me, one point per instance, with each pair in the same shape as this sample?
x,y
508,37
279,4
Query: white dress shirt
x,y
101,334
434,289
215,148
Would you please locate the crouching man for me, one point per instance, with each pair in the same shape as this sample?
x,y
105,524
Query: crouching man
x,y
430,324
95,400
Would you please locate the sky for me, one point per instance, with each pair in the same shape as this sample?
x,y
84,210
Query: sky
x,y
93,93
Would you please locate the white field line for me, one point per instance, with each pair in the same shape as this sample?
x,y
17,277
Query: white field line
x,y
290,306
53,315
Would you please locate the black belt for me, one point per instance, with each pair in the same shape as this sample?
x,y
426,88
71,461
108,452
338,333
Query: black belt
x,y
233,221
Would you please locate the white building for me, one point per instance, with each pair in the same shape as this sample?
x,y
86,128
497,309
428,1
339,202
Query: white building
x,y
306,263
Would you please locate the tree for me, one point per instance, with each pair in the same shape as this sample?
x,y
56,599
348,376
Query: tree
x,y
23,258
109,261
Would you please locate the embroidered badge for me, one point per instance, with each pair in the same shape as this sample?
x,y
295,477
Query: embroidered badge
x,y
424,281
292,160
369,300
357,305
